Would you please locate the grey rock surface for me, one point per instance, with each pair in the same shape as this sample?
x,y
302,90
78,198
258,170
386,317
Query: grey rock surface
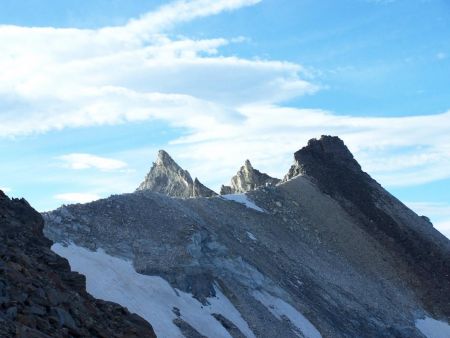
x,y
168,178
332,244
247,179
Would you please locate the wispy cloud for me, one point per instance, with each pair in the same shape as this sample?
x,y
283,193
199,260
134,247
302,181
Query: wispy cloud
x,y
58,78
438,212
76,197
182,11
444,227
5,189
398,151
88,161
426,208
66,78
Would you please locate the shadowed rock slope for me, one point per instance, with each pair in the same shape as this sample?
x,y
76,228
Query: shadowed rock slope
x,y
39,296
327,252
247,179
422,252
168,178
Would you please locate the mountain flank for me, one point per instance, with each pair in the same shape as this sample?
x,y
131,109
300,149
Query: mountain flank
x,y
327,252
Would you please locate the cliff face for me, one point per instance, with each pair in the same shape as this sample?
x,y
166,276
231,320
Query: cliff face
x,y
168,178
39,295
247,179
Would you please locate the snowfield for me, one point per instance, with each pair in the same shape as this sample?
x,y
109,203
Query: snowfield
x,y
432,328
280,309
242,199
113,279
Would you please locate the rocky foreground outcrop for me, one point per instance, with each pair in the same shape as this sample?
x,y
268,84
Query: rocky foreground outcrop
x,y
247,179
39,296
325,253
168,178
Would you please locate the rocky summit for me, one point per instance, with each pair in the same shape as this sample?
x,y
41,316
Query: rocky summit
x,y
39,295
247,179
168,178
327,252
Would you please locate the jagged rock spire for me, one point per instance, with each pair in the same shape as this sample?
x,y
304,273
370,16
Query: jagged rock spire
x,y
167,177
319,152
246,179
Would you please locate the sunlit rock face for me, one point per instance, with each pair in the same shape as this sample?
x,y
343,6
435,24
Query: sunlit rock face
x,y
247,179
168,178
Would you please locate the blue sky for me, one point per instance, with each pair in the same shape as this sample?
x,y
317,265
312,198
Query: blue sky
x,y
90,90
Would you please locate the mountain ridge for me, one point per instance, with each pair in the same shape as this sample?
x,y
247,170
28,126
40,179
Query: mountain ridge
x,y
311,247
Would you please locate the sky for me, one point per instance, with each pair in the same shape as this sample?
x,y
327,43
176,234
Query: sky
x,y
91,90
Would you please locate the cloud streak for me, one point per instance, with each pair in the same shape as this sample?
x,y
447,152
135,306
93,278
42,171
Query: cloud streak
x,y
88,161
229,108
76,197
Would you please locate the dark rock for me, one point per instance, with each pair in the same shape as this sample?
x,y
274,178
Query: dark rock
x,y
425,252
64,318
229,326
36,310
176,311
186,329
34,279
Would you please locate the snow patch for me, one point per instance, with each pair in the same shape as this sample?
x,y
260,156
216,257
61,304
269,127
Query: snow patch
x,y
114,279
279,308
243,199
251,236
432,328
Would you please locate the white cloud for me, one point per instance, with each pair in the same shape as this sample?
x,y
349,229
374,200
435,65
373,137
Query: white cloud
x,y
182,11
87,161
229,107
438,210
77,197
398,151
439,213
58,78
5,189
444,228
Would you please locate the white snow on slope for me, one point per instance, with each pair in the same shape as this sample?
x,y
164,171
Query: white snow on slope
x,y
251,236
243,199
113,279
279,308
432,328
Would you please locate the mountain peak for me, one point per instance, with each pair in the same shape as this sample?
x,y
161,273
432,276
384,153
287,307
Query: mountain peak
x,y
331,146
247,164
168,178
164,158
246,179
323,152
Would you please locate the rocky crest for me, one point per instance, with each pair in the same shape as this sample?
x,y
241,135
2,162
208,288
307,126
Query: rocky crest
x,y
247,179
425,252
168,178
328,244
39,296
